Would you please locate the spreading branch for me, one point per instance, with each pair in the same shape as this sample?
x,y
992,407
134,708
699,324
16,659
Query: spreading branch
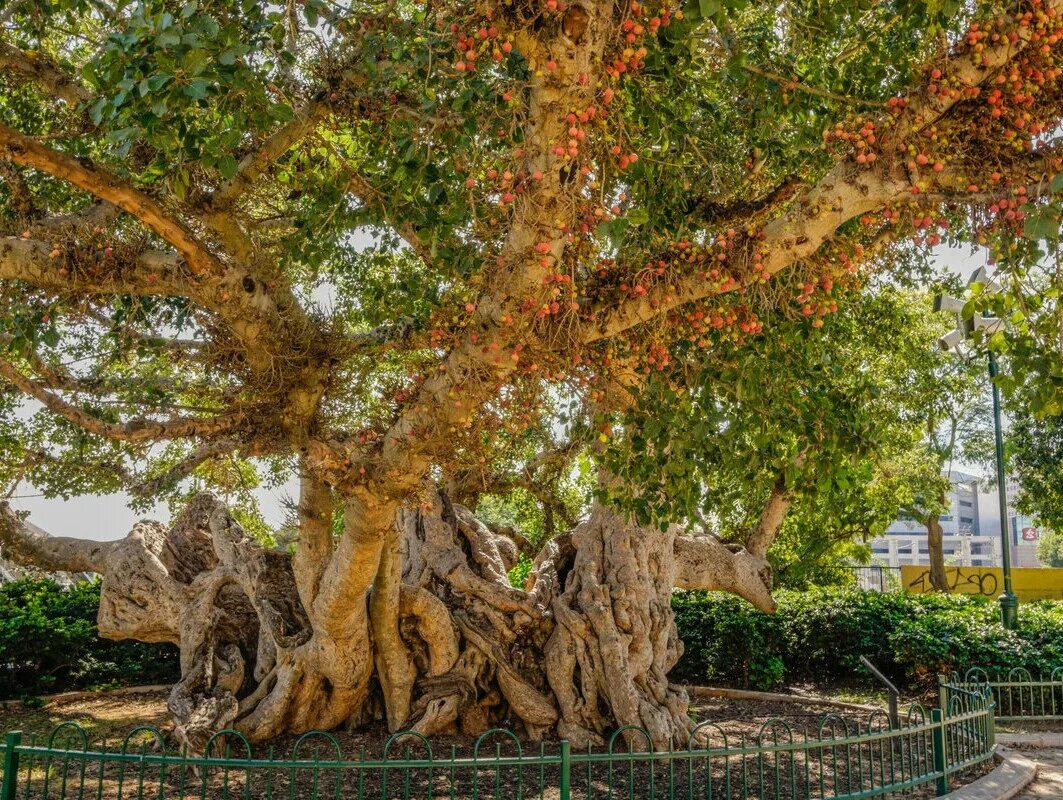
x,y
29,152
140,430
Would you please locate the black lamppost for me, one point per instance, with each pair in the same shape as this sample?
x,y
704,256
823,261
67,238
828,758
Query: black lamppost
x,y
1009,603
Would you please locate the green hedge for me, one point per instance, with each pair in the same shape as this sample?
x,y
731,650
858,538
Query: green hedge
x,y
49,643
818,636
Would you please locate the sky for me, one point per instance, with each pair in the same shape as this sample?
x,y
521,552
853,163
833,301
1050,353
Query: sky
x,y
109,517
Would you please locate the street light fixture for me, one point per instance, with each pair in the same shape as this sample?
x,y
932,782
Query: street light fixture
x,y
965,328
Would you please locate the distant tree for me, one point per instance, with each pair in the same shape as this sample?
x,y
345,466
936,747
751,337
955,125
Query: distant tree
x,y
1035,448
1050,548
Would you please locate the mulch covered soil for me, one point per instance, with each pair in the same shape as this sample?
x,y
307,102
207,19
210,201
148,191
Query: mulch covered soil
x,y
782,775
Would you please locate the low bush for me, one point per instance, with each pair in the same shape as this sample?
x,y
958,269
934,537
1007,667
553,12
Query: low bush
x,y
819,635
49,643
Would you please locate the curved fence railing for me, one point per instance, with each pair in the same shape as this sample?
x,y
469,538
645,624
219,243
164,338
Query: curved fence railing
x,y
834,757
1017,694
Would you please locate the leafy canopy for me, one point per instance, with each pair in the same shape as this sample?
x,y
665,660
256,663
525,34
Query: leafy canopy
x,y
376,242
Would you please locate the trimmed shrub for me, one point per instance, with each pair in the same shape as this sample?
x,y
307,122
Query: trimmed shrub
x,y
819,635
49,643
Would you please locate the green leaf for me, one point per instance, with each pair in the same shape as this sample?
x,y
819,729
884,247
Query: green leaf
x,y
168,38
227,166
638,216
197,89
709,8
1041,224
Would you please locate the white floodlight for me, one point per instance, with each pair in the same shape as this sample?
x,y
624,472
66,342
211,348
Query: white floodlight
x,y
946,302
952,339
988,324
981,275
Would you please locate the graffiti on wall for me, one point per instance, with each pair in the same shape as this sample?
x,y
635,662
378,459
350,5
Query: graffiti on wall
x,y
1029,583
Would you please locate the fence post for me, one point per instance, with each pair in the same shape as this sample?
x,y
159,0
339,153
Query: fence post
x,y
564,784
938,743
11,743
991,712
943,693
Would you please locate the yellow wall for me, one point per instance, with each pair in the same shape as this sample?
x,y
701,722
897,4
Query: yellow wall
x,y
1029,583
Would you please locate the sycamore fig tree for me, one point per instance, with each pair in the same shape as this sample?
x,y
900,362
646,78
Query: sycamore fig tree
x,y
413,253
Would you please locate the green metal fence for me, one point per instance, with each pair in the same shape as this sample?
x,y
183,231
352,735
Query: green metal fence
x,y
1017,695
835,759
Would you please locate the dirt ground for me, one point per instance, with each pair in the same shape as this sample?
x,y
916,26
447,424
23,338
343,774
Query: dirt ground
x,y
107,717
780,776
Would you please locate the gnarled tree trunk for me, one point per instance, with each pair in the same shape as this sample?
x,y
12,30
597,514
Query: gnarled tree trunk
x,y
432,636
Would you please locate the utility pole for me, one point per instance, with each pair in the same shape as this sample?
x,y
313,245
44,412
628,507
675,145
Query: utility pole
x,y
1009,603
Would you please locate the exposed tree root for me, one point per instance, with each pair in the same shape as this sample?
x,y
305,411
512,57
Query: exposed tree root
x,y
437,641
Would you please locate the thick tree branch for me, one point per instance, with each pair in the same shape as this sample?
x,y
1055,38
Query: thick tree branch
x,y
967,67
45,73
312,549
28,152
774,512
471,372
844,193
771,518
27,544
253,166
238,299
704,562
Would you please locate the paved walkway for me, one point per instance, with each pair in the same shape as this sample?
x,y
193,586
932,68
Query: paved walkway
x,y
1049,780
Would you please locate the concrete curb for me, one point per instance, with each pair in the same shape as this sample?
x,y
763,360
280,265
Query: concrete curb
x,y
1044,739
62,697
1013,774
774,697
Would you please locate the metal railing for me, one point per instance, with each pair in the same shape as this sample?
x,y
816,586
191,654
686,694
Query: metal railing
x,y
837,759
876,577
1017,695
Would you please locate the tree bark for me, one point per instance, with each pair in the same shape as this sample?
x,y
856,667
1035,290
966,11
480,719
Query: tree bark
x,y
432,636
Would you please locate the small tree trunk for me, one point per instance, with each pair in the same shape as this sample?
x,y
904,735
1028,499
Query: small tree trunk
x,y
936,549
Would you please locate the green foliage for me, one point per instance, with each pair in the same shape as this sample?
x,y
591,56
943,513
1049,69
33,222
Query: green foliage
x,y
519,574
840,414
1031,341
819,635
49,643
1050,549
1035,447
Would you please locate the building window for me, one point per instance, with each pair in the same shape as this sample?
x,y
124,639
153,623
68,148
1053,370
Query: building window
x,y
967,504
966,521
